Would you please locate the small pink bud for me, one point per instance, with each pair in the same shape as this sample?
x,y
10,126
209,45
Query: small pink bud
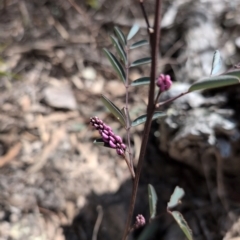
x,y
164,82
140,221
123,146
120,151
112,145
105,135
112,139
118,139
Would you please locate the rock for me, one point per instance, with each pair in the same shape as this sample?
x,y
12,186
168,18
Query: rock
x,y
60,97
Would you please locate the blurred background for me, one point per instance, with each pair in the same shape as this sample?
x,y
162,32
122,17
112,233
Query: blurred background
x,y
54,183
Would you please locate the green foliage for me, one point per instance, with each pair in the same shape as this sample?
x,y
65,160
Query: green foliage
x,y
114,110
176,197
141,61
216,63
139,44
132,31
141,81
178,193
143,118
182,224
119,49
100,142
152,199
120,36
116,65
214,82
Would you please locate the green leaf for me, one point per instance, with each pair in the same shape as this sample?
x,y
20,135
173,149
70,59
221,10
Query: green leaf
x,y
235,73
141,81
182,224
152,198
149,231
178,193
133,31
116,65
214,82
114,110
216,63
120,49
139,44
100,142
143,118
141,61
120,36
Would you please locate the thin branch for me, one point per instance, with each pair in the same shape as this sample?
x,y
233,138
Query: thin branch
x,y
98,222
171,99
154,40
128,128
144,14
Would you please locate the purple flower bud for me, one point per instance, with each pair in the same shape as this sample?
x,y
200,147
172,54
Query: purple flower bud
x,y
105,131
108,135
123,146
112,139
120,151
140,221
164,82
118,139
112,144
105,139
105,135
108,128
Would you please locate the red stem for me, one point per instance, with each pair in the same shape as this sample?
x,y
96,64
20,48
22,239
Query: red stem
x,y
154,40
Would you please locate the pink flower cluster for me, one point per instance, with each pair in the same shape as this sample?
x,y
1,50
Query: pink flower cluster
x,y
164,82
108,135
140,221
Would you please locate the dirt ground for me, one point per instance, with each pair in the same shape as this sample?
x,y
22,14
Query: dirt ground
x,y
54,183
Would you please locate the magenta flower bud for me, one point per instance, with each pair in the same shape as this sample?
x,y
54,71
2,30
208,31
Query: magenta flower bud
x,y
108,135
112,144
140,221
164,82
118,139
120,151
112,139
123,146
105,131
108,128
105,135
111,134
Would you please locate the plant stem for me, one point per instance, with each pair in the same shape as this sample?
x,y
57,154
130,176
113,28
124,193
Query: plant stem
x,y
171,99
154,40
128,128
